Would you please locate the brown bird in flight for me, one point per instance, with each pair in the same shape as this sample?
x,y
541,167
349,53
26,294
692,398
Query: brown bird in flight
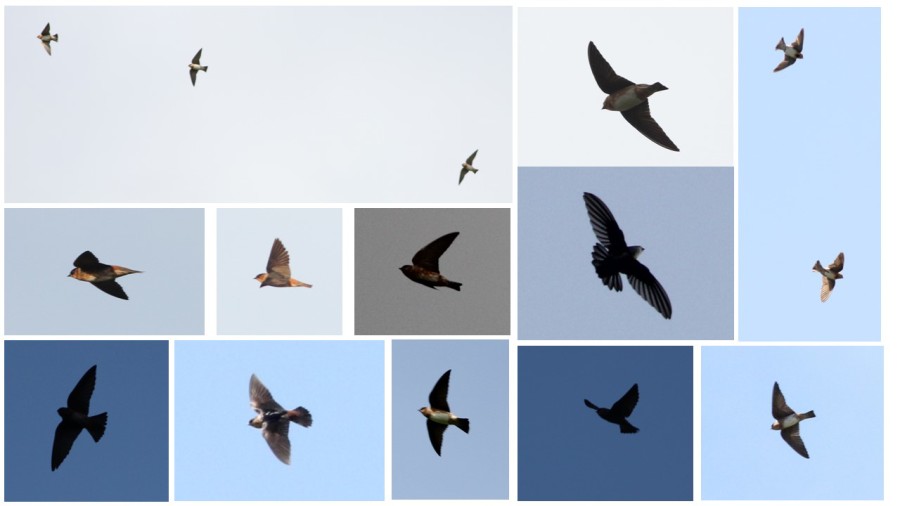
x,y
830,274
424,269
275,420
278,270
75,418
439,415
788,421
88,268
46,38
792,53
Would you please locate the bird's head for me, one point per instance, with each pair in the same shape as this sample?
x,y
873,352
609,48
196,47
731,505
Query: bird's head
x,y
776,425
425,411
635,251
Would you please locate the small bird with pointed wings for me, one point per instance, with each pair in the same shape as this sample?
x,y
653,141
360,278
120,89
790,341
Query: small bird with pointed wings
x,y
619,411
46,38
274,420
788,421
88,268
628,98
439,415
75,418
195,66
792,53
467,167
612,257
830,274
278,269
424,269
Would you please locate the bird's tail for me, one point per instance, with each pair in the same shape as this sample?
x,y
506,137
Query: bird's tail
x,y
300,415
473,169
454,285
808,414
627,428
780,45
818,266
610,277
590,405
463,423
122,271
295,282
96,426
55,37
203,68
658,87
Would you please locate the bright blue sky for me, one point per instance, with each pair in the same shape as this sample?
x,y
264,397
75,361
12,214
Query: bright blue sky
x,y
166,244
324,104
313,240
473,465
683,217
131,460
567,452
810,175
744,459
221,457
561,116
387,302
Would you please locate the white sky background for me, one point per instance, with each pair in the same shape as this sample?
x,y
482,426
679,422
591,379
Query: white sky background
x,y
298,105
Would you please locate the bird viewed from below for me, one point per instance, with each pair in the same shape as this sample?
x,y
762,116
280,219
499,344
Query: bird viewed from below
x,y
830,274
75,417
195,66
278,269
788,421
467,167
425,270
46,38
612,257
438,413
619,411
88,268
628,98
792,53
274,420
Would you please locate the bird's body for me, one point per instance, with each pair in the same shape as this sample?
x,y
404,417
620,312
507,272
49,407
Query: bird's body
x,y
788,421
195,66
620,411
425,270
275,421
278,269
792,53
468,167
75,418
829,275
439,415
88,268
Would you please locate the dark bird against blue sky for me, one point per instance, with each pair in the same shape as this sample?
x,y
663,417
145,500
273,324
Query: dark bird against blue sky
x,y
792,53
628,98
274,420
439,415
612,257
75,418
788,421
425,270
619,411
88,268
830,274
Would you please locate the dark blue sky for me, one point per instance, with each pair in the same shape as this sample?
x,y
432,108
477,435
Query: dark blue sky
x,y
130,462
567,452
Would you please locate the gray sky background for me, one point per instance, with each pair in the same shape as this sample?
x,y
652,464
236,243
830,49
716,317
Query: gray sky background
x,y
387,302
312,238
42,244
561,116
683,217
298,105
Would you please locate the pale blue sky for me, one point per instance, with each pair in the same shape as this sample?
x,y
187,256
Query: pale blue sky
x,y
312,104
473,465
42,244
221,457
810,178
683,217
312,238
743,458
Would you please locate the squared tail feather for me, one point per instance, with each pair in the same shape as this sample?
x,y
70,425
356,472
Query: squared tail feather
x,y
463,423
96,426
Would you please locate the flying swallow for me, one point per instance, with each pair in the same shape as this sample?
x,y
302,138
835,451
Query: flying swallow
x,y
275,420
467,167
195,66
75,417
830,274
46,38
619,411
424,269
628,98
278,270
88,268
613,256
439,415
792,53
788,421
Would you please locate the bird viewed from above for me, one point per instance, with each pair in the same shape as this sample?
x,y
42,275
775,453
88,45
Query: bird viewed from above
x,y
88,268
275,420
46,38
278,269
424,269
75,418
467,167
628,98
619,411
788,421
612,257
792,53
439,415
830,274
195,66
